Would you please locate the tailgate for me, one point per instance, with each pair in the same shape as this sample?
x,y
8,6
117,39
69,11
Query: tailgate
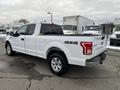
x,y
99,44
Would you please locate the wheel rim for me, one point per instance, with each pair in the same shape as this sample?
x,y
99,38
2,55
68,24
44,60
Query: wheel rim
x,y
8,49
56,64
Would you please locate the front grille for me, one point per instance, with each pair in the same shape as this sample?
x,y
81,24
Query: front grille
x,y
115,42
118,35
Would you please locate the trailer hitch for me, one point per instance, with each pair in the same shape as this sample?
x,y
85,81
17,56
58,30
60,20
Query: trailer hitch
x,y
103,56
101,62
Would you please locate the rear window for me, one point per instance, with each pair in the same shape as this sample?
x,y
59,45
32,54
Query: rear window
x,y
51,29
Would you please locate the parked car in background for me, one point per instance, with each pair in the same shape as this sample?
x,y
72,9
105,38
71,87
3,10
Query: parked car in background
x,y
2,33
115,37
13,27
94,29
112,29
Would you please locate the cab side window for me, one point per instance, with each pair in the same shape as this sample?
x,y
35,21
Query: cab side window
x,y
22,30
30,29
51,29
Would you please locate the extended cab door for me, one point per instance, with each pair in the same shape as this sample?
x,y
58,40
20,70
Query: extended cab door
x,y
18,41
30,45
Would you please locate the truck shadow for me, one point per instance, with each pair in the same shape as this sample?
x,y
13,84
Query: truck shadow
x,y
37,68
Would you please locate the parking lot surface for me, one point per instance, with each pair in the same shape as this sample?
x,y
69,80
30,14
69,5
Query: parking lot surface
x,y
24,72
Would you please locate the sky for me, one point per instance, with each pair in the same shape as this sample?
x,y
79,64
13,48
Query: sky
x,y
36,10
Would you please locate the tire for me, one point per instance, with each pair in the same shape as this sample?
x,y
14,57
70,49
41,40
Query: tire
x,y
9,50
58,63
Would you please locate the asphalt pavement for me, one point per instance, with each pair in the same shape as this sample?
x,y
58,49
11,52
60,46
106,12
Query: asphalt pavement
x,y
24,72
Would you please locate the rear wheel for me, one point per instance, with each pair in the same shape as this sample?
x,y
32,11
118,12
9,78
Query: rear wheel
x,y
9,50
58,64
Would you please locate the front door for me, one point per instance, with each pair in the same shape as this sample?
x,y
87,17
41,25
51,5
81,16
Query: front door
x,y
19,41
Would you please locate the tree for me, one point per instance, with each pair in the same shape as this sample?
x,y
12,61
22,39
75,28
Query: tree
x,y
23,21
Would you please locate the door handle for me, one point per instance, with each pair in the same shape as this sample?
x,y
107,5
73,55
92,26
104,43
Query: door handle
x,y
22,39
103,37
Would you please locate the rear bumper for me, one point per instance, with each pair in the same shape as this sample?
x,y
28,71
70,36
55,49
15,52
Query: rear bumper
x,y
83,62
99,58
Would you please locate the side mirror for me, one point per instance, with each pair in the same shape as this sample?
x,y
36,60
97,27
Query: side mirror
x,y
7,33
11,33
14,34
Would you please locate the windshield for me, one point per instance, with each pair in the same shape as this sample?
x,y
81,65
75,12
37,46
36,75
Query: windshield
x,y
117,28
94,28
69,27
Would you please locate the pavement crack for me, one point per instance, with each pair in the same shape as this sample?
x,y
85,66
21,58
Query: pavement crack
x,y
29,79
14,77
88,78
117,73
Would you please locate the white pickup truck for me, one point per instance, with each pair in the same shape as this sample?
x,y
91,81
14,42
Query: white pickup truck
x,y
47,41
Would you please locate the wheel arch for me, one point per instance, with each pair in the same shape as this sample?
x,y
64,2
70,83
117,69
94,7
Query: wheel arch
x,y
56,49
6,43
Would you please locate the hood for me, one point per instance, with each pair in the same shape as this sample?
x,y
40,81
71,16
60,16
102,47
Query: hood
x,y
117,32
92,32
68,32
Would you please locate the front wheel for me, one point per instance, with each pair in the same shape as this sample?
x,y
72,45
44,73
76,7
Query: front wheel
x,y
58,64
9,50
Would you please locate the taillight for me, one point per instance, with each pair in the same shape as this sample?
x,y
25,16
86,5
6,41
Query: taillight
x,y
87,48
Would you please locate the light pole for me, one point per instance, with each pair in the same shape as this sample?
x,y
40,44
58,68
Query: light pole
x,y
51,16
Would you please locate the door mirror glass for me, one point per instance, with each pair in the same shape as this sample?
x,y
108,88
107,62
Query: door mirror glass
x,y
11,33
16,34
